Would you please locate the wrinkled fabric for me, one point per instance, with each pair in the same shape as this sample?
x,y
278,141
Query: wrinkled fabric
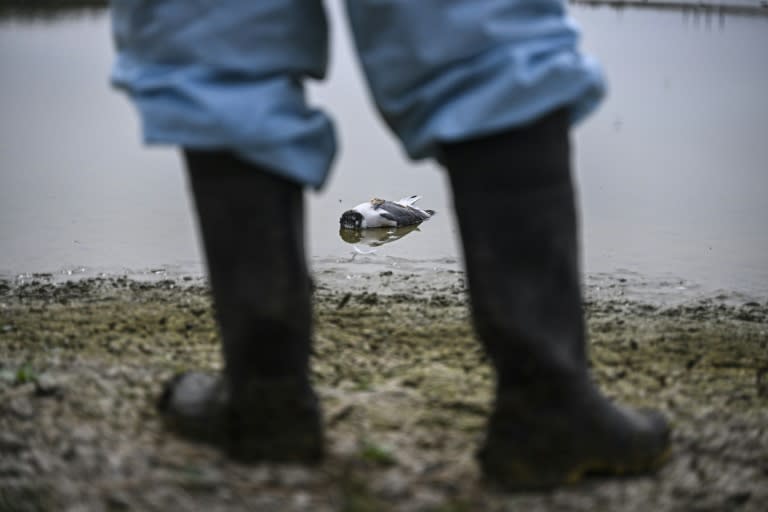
x,y
213,74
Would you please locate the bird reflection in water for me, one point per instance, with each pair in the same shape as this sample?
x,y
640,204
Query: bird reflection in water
x,y
374,237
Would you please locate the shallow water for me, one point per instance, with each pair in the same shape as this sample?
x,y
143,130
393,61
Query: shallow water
x,y
672,170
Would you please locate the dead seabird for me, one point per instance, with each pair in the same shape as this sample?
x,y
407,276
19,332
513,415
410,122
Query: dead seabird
x,y
379,213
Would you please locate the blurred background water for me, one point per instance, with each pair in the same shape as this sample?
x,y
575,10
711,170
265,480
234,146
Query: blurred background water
x,y
672,171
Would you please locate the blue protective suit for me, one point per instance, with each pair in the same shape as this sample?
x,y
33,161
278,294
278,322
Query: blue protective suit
x,y
228,74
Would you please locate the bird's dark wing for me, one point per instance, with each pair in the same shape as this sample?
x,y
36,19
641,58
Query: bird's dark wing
x,y
403,215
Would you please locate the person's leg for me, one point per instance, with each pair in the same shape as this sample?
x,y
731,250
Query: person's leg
x,y
490,88
228,76
225,83
447,70
252,227
550,424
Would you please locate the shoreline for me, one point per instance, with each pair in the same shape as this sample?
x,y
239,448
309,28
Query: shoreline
x,y
50,9
359,272
705,7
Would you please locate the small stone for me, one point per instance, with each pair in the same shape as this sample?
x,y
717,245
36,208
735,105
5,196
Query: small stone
x,y
425,499
48,385
301,500
21,408
10,443
84,434
294,476
738,498
392,484
762,382
118,500
7,375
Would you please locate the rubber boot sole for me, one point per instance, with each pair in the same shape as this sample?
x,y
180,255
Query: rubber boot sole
x,y
521,476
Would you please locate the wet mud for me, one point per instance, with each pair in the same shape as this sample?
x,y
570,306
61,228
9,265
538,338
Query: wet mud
x,y
405,389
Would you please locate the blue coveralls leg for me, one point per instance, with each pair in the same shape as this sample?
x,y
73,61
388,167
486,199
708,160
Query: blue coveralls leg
x,y
451,70
229,75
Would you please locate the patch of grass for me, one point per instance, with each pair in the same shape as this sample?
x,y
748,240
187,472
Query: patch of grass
x,y
364,383
377,454
25,373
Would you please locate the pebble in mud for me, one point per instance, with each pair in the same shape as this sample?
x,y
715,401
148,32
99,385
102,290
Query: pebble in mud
x,y
10,443
397,366
761,378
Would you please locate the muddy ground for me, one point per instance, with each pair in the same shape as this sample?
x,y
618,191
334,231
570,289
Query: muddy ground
x,y
405,391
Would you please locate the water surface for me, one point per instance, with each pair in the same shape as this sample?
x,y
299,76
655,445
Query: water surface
x,y
671,171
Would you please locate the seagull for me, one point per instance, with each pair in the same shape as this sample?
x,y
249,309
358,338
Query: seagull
x,y
379,213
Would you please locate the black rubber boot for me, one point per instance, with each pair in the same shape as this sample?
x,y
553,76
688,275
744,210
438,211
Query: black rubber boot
x,y
263,407
516,210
